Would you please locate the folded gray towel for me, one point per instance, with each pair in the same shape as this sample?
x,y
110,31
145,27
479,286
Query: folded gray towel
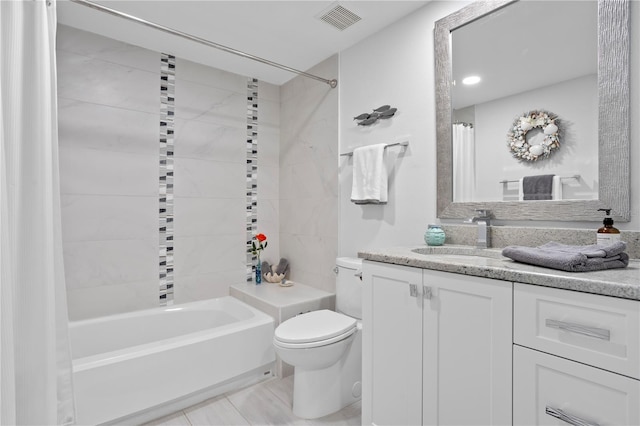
x,y
282,267
537,187
564,260
593,250
265,268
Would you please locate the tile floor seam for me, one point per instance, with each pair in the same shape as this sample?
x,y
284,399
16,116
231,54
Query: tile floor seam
x,y
186,416
237,409
286,402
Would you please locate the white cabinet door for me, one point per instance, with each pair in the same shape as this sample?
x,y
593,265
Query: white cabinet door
x,y
467,350
550,390
392,345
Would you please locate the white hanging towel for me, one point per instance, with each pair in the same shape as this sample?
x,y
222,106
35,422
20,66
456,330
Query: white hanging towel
x,y
369,175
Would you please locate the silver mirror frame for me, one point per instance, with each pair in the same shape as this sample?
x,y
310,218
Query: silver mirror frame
x,y
613,123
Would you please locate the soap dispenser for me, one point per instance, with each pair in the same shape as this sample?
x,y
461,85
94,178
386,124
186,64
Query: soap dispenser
x,y
607,234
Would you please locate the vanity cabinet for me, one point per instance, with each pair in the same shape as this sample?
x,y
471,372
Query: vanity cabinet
x,y
576,358
437,347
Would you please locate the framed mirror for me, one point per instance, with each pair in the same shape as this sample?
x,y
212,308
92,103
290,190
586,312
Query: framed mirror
x,y
592,102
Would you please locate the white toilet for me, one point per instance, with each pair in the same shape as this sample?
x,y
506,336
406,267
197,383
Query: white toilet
x,y
325,348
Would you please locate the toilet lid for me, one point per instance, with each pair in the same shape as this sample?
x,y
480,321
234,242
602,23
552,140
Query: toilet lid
x,y
314,326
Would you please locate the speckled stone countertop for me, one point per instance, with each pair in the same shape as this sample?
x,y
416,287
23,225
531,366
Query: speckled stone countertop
x,y
489,263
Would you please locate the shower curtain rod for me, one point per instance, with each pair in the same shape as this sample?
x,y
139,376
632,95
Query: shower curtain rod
x,y
333,82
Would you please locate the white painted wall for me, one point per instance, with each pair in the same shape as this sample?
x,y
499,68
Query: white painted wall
x,y
396,67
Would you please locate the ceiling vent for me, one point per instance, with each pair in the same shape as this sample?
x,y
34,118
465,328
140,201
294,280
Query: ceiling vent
x,y
339,17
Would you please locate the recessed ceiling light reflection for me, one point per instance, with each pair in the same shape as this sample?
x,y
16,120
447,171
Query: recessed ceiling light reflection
x,y
473,79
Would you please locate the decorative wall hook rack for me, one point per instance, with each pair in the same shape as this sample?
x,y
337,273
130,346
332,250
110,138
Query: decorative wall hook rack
x,y
380,113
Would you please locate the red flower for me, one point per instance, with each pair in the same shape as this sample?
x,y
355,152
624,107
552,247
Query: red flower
x,y
255,249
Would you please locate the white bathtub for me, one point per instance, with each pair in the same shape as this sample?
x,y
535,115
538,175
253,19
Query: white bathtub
x,y
144,364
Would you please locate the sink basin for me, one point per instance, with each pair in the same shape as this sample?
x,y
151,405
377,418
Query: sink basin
x,y
459,252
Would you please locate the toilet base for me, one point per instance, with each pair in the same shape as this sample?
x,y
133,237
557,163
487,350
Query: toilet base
x,y
318,393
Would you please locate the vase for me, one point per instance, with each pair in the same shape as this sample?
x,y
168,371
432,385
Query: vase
x,y
434,236
259,272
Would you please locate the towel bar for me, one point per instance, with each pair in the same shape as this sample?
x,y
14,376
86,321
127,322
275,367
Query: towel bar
x,y
403,143
576,177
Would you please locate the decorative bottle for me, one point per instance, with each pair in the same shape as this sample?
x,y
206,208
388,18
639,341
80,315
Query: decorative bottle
x,y
259,272
434,236
607,234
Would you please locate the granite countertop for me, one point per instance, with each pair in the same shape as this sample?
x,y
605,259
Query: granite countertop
x,y
489,263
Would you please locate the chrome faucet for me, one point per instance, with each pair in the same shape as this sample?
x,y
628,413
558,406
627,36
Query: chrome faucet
x,y
483,219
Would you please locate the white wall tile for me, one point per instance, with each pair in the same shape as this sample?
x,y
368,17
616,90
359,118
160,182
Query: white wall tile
x,y
268,113
101,217
208,254
95,46
269,224
268,185
209,216
99,263
208,76
213,179
269,92
109,98
313,216
209,141
209,104
93,80
308,178
314,140
92,302
268,147
189,288
87,125
92,171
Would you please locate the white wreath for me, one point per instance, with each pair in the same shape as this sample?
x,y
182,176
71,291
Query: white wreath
x,y
517,137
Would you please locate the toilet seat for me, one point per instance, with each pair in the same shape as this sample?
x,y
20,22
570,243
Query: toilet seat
x,y
313,329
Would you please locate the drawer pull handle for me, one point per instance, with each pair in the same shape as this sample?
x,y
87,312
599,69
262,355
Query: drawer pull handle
x,y
568,418
598,333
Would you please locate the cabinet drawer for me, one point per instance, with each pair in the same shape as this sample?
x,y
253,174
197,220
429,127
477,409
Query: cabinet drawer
x,y
596,330
547,388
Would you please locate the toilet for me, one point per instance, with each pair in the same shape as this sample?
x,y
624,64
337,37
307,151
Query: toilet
x,y
325,348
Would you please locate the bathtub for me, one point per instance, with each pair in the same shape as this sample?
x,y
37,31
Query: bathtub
x,y
141,365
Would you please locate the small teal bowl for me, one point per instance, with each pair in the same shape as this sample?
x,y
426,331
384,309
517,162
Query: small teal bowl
x,y
434,236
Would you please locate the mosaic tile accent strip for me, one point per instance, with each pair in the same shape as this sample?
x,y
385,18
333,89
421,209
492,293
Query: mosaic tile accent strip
x,y
252,171
167,111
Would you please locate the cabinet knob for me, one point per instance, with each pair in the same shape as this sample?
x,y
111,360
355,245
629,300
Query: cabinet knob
x,y
426,292
413,290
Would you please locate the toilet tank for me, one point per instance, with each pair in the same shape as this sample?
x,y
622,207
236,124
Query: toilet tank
x,y
349,286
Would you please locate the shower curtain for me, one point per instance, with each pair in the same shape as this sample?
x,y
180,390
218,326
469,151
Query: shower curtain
x,y
35,364
464,168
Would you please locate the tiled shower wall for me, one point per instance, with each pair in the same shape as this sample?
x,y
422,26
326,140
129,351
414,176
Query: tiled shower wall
x,y
109,115
309,177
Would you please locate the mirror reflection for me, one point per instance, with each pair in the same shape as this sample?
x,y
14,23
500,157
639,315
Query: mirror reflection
x,y
507,67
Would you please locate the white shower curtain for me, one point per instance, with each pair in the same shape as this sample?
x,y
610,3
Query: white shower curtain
x,y
35,364
464,166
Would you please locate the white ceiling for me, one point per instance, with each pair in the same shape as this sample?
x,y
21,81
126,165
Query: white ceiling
x,y
286,32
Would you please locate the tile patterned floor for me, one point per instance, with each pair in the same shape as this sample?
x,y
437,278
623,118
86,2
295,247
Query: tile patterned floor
x,y
266,403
